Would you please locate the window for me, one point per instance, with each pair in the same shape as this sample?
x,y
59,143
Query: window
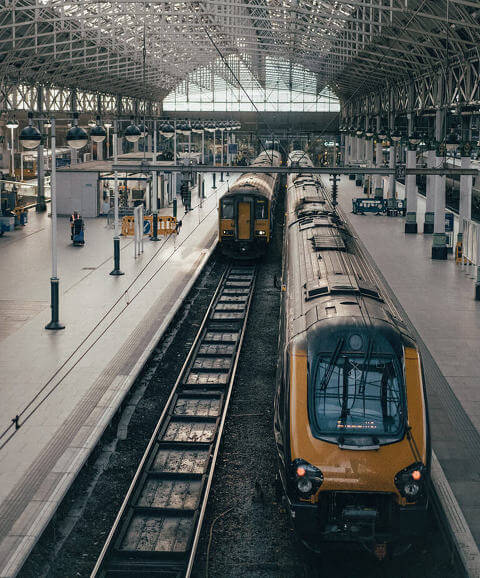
x,y
261,210
352,393
227,209
286,86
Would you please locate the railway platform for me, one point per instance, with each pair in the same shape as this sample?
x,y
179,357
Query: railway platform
x,y
438,299
80,374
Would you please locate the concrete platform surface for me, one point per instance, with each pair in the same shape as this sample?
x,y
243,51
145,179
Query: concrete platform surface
x,y
438,298
65,385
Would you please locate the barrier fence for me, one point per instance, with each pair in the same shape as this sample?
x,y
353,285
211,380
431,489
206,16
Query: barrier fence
x,y
166,225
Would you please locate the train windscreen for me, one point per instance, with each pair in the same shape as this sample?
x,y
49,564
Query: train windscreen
x,y
227,209
260,209
356,393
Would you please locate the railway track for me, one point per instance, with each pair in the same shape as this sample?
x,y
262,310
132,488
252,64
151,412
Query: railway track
x,y
158,526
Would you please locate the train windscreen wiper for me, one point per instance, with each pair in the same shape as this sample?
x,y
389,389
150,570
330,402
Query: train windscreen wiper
x,y
363,378
331,365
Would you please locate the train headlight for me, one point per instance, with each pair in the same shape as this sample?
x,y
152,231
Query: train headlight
x,y
227,232
261,233
410,482
411,489
306,478
304,485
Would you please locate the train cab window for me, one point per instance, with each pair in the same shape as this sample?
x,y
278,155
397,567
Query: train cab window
x,y
357,394
260,209
227,209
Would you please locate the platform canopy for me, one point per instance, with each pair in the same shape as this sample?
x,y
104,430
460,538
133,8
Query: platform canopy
x,y
146,48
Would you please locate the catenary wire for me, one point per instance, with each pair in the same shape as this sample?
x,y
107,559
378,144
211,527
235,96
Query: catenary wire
x,y
23,413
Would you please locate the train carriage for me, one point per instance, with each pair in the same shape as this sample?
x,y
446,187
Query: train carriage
x,y
351,423
246,211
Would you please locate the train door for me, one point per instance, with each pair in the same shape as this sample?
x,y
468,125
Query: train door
x,y
244,220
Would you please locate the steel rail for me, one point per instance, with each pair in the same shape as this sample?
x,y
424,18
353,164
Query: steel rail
x,y
159,523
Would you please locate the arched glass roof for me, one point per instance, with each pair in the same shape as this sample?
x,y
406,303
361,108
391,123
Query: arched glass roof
x,y
149,47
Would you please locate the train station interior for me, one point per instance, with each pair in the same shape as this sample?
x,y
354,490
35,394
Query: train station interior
x,y
239,288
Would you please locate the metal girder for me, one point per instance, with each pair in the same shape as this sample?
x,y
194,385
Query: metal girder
x,y
356,47
147,166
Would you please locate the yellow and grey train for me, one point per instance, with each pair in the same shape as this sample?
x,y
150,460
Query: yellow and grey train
x,y
351,420
246,210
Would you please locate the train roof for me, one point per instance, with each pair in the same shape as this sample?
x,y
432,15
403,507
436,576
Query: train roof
x,y
261,183
329,276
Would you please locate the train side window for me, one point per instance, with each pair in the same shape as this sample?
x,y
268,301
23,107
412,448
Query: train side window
x,y
227,209
260,209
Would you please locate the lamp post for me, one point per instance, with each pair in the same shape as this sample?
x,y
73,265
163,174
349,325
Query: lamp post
x,y
30,137
108,126
12,125
168,132
54,280
116,234
132,134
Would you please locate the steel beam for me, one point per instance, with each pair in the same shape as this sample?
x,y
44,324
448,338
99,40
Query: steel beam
x,y
147,167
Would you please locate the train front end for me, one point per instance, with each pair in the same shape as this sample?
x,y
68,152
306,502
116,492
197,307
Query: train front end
x,y
357,463
245,223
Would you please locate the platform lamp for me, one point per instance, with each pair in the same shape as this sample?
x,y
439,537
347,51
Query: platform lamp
x,y
12,124
382,134
132,132
97,133
76,137
30,137
452,142
414,140
395,137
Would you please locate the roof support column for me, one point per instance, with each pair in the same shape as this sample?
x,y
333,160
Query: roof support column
x,y
465,205
439,246
353,149
411,192
430,194
377,180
